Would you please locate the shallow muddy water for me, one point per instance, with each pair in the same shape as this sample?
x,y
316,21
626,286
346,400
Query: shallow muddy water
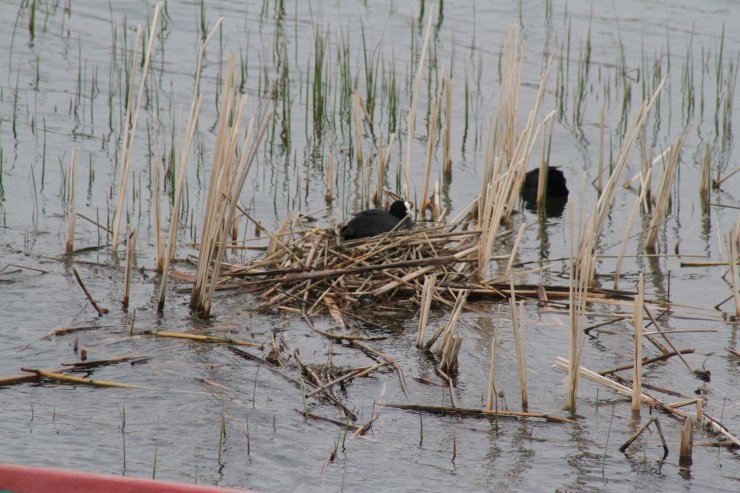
x,y
204,414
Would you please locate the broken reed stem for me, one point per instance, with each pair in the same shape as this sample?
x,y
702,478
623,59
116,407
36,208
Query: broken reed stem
x,y
130,249
431,143
384,157
158,247
687,443
77,380
69,244
101,311
637,323
661,207
411,117
492,369
706,178
446,159
449,347
129,136
329,195
517,328
732,267
357,120
515,248
576,312
600,175
628,228
427,294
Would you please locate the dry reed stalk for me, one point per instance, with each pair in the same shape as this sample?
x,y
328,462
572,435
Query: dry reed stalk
x,y
543,175
659,213
132,121
225,185
492,369
687,443
158,247
732,265
578,289
639,432
637,323
101,311
449,347
357,120
69,244
426,302
200,338
384,157
411,117
431,143
517,323
435,205
59,377
628,228
706,178
365,192
600,175
718,181
446,159
130,249
591,233
329,195
183,156
507,150
562,364
515,248
645,362
114,360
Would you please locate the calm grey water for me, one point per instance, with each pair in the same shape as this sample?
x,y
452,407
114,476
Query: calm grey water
x,y
62,88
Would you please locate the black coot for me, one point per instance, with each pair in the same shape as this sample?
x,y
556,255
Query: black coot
x,y
556,187
377,221
556,194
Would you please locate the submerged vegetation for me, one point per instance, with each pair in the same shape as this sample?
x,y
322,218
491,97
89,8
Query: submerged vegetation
x,y
236,177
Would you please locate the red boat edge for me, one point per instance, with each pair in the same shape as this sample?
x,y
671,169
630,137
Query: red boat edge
x,y
23,479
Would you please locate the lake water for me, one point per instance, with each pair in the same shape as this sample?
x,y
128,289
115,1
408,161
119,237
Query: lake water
x,y
205,415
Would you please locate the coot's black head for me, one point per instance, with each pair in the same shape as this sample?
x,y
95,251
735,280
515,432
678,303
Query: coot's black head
x,y
401,209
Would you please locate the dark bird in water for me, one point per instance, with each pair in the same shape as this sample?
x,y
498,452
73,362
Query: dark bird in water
x,y
556,193
373,222
556,187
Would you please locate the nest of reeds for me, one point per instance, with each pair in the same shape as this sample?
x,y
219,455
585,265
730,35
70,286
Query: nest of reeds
x,y
312,266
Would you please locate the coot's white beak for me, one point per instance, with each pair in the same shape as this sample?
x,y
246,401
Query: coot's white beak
x,y
408,207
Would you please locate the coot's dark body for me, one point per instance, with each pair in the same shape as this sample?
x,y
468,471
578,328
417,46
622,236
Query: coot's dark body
x,y
556,187
373,222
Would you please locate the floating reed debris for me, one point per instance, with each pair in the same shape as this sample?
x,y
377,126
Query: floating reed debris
x,y
483,413
59,377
